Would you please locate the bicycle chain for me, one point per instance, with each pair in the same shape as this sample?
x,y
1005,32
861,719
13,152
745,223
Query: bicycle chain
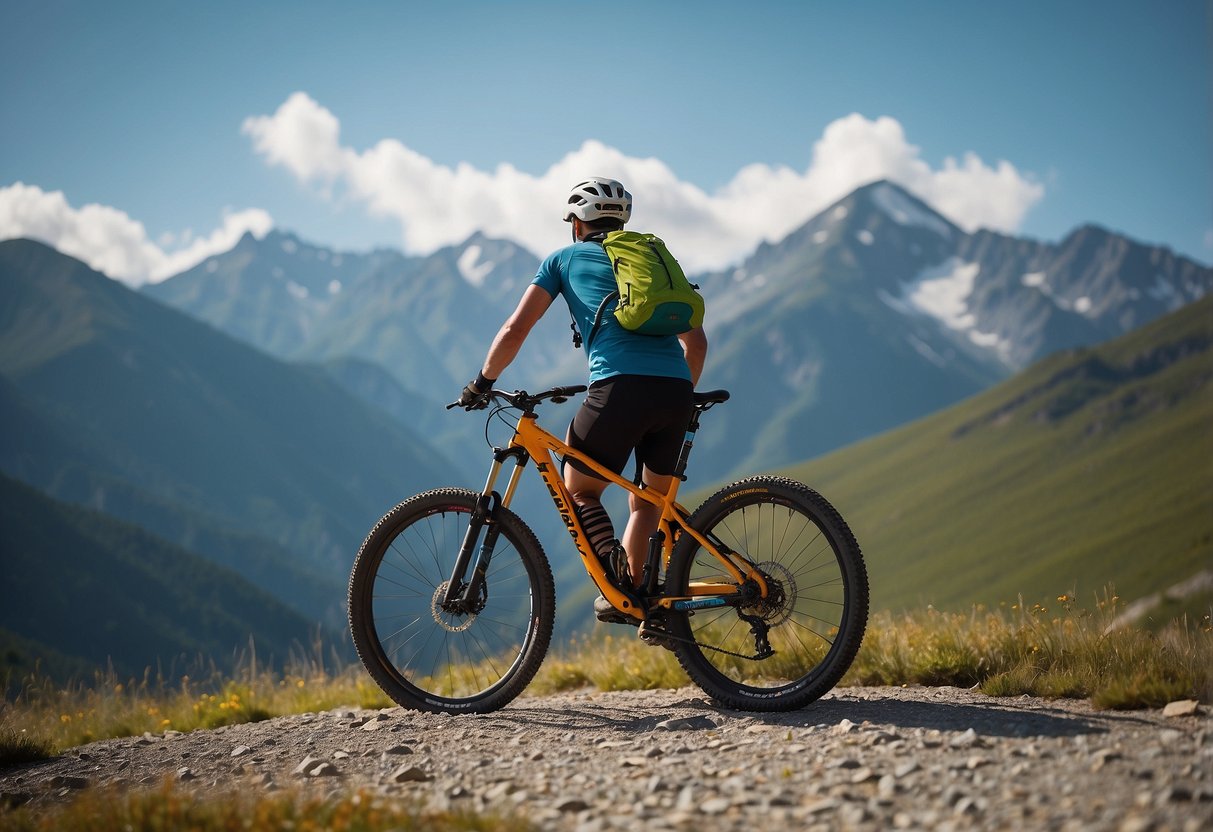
x,y
666,635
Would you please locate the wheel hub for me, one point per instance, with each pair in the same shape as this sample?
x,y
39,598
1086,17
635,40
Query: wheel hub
x,y
776,608
452,622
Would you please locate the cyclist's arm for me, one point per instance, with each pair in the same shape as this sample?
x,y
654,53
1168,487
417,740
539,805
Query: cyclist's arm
x,y
695,348
535,301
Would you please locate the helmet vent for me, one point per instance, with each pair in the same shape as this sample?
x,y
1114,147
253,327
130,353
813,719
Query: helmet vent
x,y
597,198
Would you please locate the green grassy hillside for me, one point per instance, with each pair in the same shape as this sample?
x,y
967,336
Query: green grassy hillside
x,y
107,387
1092,467
81,589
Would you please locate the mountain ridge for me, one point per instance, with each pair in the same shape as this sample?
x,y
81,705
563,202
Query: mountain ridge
x,y
1088,469
138,408
875,311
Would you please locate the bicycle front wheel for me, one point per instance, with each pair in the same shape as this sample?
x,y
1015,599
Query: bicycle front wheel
x,y
424,656
814,614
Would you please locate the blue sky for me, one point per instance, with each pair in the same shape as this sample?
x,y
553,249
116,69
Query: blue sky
x,y
410,124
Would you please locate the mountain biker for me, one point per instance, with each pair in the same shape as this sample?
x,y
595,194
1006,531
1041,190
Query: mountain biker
x,y
640,386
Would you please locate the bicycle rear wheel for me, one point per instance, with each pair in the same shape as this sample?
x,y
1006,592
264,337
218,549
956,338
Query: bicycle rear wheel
x,y
425,657
816,610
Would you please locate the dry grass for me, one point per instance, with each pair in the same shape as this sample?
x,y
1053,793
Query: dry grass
x,y
44,718
170,809
1067,652
1064,652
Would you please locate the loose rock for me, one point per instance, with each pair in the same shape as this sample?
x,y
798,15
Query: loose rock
x,y
1182,707
409,774
868,759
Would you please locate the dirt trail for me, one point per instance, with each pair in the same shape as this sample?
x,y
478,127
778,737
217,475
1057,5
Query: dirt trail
x,y
862,758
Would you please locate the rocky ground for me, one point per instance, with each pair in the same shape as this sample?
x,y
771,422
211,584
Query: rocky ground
x,y
861,758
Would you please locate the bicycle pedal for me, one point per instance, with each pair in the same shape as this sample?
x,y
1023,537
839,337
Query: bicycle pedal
x,y
654,636
607,614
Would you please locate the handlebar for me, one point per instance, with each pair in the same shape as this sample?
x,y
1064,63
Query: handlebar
x,y
523,400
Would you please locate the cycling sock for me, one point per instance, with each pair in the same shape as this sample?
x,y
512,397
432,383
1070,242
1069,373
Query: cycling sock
x,y
598,528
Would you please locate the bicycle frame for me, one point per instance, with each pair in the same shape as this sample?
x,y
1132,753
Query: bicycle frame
x,y
530,441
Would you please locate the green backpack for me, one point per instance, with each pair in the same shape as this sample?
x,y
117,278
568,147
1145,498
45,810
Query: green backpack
x,y
655,297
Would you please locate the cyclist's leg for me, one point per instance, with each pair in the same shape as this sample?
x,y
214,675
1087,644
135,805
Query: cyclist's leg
x,y
596,431
586,490
657,452
621,414
643,523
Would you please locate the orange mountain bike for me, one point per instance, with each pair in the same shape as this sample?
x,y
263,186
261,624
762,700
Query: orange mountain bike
x,y
761,593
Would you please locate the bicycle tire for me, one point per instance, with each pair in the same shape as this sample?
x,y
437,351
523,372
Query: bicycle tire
x,y
427,659
811,559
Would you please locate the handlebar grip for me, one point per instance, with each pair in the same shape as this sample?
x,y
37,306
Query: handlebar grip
x,y
565,392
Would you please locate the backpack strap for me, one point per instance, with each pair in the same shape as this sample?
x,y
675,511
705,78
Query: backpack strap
x,y
598,317
597,237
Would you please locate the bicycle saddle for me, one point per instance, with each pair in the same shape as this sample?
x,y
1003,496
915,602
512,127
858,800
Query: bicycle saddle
x,y
711,397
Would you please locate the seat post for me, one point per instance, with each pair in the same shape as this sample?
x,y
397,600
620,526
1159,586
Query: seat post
x,y
689,440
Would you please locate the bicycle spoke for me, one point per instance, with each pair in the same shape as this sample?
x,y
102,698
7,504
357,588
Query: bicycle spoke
x,y
812,615
475,654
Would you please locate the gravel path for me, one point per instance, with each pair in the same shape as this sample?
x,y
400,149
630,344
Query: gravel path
x,y
861,758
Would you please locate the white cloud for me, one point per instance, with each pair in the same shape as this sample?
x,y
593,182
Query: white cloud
x,y
438,205
110,241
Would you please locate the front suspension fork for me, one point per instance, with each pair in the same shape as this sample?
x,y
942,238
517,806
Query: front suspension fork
x,y
469,597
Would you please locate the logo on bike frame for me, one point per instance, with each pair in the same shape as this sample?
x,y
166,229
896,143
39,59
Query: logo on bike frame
x,y
699,604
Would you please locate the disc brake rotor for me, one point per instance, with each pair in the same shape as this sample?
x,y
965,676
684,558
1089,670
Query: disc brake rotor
x,y
451,622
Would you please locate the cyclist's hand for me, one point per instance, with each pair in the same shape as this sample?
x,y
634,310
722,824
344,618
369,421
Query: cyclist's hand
x,y
475,395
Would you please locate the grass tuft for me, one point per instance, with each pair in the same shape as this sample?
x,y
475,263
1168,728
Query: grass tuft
x,y
169,809
608,662
17,747
48,718
1069,652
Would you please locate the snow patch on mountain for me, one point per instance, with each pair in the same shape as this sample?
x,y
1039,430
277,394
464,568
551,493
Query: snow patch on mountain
x,y
865,237
923,349
943,293
471,268
1039,280
1002,347
898,207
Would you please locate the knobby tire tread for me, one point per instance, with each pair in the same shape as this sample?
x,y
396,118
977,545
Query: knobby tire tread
x,y
800,692
362,629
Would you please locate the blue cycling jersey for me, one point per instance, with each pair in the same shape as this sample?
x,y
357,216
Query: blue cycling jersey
x,y
582,273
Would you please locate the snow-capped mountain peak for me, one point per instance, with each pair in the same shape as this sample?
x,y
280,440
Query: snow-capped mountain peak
x,y
904,209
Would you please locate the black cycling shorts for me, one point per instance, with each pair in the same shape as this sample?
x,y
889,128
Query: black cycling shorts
x,y
647,414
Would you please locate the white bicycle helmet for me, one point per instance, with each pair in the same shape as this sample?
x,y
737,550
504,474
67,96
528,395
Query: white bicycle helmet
x,y
597,198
